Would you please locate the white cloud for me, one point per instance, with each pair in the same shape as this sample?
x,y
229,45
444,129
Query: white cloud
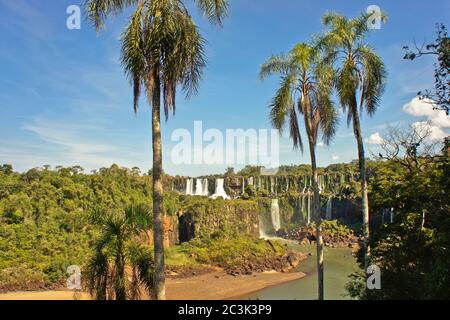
x,y
424,108
321,144
375,139
435,133
334,157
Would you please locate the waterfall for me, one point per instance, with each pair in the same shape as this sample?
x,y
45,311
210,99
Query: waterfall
x,y
190,187
243,185
329,213
219,191
276,184
304,188
319,182
201,187
302,207
392,215
309,209
271,184
275,213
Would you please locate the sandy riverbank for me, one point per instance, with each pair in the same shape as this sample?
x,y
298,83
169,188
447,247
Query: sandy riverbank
x,y
211,286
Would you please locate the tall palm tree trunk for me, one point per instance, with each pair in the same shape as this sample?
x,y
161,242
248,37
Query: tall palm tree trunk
x,y
362,173
160,289
318,220
316,200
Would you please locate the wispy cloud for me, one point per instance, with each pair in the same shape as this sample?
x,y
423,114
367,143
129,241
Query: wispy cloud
x,y
69,144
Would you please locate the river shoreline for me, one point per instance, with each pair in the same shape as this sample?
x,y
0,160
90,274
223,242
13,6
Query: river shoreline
x,y
215,285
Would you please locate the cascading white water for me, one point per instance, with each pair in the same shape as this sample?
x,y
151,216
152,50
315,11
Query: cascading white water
x,y
201,187
243,185
329,212
220,191
304,188
275,214
319,184
189,187
308,208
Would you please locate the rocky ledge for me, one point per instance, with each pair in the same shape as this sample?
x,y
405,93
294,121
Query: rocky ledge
x,y
307,235
283,263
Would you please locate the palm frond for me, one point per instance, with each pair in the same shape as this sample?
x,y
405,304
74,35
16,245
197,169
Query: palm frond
x,y
294,129
215,10
97,275
139,217
374,79
275,64
133,58
329,118
282,103
97,11
347,83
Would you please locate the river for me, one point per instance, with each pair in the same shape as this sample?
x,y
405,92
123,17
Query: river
x,y
339,263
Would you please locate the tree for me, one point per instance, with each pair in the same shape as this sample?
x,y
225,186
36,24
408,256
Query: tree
x,y
162,48
107,278
440,98
6,169
409,147
412,251
360,72
229,171
305,88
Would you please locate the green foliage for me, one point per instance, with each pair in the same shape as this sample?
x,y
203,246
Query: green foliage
x,y
226,215
334,227
48,219
227,249
249,170
117,247
412,253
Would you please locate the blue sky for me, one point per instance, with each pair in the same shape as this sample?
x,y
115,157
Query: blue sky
x,y
65,101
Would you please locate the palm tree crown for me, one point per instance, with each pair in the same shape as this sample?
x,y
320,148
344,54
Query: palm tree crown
x,y
359,67
161,45
305,88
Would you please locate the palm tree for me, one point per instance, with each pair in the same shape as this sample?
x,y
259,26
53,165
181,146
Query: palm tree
x,y
305,88
116,248
360,75
162,49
